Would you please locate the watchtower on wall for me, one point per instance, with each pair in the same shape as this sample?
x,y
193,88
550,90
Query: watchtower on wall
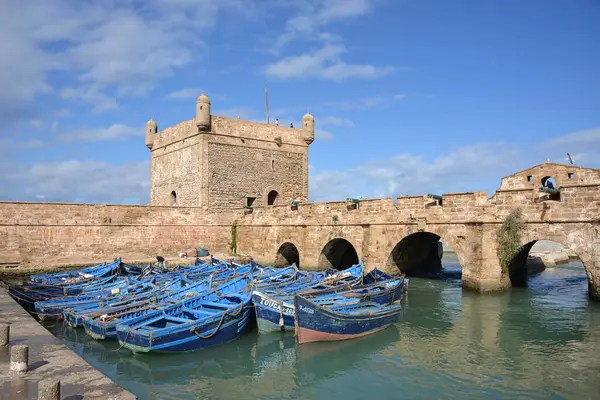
x,y
220,163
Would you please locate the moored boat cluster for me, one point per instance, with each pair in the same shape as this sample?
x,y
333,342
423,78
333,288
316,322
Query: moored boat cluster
x,y
185,308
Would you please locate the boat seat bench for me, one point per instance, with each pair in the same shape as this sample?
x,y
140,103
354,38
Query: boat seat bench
x,y
193,311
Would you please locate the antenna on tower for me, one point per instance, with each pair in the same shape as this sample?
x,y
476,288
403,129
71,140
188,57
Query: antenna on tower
x,y
267,102
570,159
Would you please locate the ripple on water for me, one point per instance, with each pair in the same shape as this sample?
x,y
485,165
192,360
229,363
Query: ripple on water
x,y
536,343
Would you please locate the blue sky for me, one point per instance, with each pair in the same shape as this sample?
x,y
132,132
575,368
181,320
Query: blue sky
x,y
408,96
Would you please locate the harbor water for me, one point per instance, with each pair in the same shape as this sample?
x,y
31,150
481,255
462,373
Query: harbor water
x,y
540,342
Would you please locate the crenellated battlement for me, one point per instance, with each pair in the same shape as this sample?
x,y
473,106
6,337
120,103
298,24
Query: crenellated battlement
x,y
221,163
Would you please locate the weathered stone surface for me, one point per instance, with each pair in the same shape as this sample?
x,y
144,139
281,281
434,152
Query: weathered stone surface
x,y
49,389
235,159
4,334
48,358
19,358
227,163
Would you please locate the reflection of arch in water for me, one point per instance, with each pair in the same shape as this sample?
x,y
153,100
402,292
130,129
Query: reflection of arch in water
x,y
418,254
287,254
338,253
422,298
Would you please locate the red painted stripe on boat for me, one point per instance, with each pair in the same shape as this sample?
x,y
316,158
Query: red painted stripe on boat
x,y
306,335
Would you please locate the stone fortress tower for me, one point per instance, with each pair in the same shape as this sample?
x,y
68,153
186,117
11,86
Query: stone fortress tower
x,y
222,163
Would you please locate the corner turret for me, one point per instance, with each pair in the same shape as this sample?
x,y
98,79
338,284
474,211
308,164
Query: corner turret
x,y
203,113
151,130
308,126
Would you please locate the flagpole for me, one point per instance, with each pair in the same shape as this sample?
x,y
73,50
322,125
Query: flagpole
x,y
267,101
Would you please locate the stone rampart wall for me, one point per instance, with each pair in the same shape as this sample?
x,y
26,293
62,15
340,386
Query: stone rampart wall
x,y
47,234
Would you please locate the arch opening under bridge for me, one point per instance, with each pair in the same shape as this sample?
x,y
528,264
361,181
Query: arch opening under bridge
x,y
547,259
287,254
422,254
339,254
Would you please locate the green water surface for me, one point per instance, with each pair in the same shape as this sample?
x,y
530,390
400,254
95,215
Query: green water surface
x,y
542,342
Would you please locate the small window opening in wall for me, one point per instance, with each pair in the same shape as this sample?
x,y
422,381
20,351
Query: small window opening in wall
x,y
272,164
272,197
250,201
571,175
201,107
529,178
173,198
549,188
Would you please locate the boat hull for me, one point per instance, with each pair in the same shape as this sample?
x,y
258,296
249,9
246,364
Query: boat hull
x,y
315,323
184,339
269,314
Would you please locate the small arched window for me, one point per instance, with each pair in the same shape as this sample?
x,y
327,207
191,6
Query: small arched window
x,y
549,187
173,198
272,197
272,164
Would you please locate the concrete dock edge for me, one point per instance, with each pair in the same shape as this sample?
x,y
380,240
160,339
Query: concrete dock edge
x,y
48,359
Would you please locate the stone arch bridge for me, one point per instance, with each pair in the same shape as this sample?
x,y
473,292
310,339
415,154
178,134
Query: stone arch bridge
x,y
404,232
389,234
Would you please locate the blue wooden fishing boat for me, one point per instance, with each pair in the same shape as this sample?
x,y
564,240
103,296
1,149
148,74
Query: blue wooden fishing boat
x,y
55,308
316,322
99,270
274,308
74,315
68,286
102,323
269,277
203,321
277,313
30,292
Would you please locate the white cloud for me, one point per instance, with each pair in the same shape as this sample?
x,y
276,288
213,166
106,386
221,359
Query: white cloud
x,y
463,169
113,132
9,146
335,121
234,112
584,146
585,137
321,134
91,94
325,63
360,104
79,181
110,48
400,96
184,94
36,123
330,185
312,16
32,144
64,113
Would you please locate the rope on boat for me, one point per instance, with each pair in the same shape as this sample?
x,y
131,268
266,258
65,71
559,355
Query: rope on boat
x,y
124,340
214,332
281,323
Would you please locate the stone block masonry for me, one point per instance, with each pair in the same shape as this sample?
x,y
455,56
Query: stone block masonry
x,y
206,169
44,234
219,163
